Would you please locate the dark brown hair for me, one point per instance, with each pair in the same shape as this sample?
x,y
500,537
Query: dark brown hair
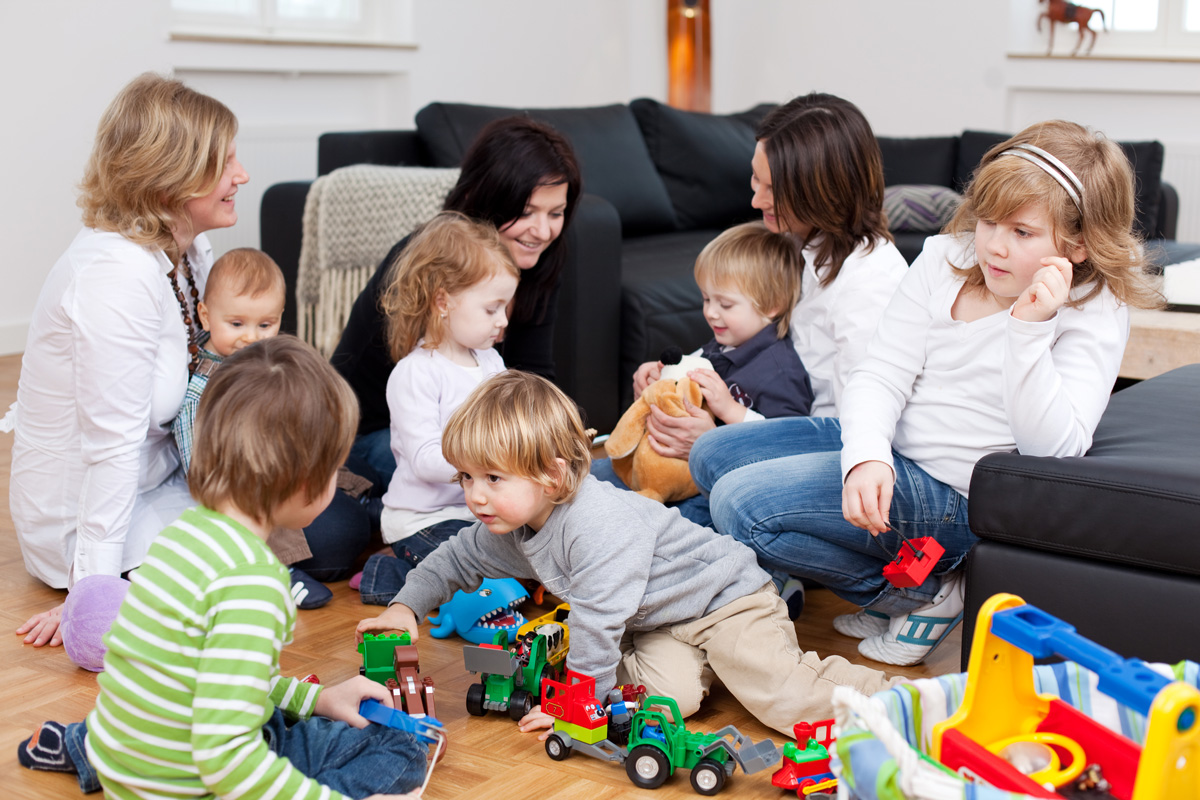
x,y
1003,185
274,420
510,158
826,171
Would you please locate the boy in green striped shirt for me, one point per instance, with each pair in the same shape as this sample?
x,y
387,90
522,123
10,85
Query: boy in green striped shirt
x,y
191,701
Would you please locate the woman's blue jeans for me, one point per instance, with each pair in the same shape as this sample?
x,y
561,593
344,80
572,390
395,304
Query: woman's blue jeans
x,y
694,508
356,762
776,486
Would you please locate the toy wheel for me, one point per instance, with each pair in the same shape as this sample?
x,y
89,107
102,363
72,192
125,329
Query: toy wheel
x,y
475,694
708,777
557,748
520,704
647,767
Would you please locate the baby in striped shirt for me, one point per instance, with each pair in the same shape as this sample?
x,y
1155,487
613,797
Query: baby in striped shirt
x,y
191,701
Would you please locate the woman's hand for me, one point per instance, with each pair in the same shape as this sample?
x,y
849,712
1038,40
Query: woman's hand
x,y
1051,287
673,437
341,701
720,401
646,374
867,496
536,719
43,628
398,617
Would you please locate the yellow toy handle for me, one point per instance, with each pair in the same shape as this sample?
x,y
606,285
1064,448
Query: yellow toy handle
x,y
1054,773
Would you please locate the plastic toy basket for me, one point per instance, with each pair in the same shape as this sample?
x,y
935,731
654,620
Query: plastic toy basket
x,y
884,742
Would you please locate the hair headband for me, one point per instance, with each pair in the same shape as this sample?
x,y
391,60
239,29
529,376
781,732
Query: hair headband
x,y
1052,167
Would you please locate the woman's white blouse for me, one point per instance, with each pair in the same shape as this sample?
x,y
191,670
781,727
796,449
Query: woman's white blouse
x,y
103,375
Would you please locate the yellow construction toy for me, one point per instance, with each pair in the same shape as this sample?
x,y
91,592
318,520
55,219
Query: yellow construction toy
x,y
1006,735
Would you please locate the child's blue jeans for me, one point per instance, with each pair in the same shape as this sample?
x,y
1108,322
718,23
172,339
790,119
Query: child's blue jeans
x,y
776,486
383,575
356,762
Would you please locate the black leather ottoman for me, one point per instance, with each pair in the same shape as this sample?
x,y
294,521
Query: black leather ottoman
x,y
1109,542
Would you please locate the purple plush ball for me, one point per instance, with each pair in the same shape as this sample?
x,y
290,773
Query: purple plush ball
x,y
89,612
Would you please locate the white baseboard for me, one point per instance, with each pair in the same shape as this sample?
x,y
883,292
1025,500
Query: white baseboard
x,y
12,338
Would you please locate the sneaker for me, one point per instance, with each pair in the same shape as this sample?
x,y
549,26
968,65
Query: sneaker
x,y
355,581
911,637
862,624
46,749
307,591
793,594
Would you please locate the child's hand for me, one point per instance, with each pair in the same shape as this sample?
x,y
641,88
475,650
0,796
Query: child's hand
x,y
867,496
673,437
720,401
341,701
398,617
535,720
646,374
1051,288
43,628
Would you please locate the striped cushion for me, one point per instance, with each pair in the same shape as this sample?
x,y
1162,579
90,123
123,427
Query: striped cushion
x,y
918,208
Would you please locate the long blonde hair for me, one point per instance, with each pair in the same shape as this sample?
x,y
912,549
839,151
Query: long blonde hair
x,y
449,254
159,144
1102,223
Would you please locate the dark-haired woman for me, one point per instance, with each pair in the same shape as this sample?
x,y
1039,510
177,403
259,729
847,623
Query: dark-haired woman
x,y
520,175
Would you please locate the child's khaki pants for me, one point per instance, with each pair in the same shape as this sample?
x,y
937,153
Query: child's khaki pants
x,y
750,644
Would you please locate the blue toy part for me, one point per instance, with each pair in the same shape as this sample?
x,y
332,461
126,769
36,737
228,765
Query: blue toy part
x,y
423,728
1127,680
477,616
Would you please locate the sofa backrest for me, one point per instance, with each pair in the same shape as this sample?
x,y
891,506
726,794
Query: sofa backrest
x,y
612,154
704,160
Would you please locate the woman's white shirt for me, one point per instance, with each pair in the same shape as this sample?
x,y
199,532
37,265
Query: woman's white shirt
x,y
103,376
832,325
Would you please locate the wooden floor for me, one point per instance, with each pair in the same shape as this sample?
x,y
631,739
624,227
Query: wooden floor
x,y
487,757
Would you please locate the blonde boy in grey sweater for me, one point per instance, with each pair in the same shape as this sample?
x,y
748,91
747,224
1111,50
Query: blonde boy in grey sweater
x,y
655,599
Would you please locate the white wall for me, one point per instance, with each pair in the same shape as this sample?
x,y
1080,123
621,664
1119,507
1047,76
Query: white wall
x,y
919,67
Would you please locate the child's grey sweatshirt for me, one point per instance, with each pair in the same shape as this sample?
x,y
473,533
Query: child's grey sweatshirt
x,y
622,561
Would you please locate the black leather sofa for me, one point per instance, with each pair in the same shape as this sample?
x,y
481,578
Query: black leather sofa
x,y
1109,541
659,184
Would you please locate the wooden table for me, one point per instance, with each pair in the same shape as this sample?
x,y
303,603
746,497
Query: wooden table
x,y
1160,341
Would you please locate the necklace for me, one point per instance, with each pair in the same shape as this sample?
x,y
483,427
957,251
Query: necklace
x,y
193,347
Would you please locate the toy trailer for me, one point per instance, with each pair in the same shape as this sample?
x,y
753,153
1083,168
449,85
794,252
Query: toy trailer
x,y
579,720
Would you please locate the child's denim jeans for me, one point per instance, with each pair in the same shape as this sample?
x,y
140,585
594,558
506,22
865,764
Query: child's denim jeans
x,y
383,575
356,762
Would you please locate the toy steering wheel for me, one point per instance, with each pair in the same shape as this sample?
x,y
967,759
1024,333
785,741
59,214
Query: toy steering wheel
x,y
1033,755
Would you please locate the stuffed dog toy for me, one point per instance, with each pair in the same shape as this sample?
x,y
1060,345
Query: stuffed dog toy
x,y
660,478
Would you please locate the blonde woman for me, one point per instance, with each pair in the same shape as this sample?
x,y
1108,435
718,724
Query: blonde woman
x,y
95,472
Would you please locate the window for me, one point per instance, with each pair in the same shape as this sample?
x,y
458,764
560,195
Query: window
x,y
1162,28
384,22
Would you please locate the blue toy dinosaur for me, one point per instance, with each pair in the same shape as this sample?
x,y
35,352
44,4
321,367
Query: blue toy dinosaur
x,y
477,616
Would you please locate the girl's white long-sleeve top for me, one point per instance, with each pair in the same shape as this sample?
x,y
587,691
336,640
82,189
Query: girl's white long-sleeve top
x,y
103,376
945,393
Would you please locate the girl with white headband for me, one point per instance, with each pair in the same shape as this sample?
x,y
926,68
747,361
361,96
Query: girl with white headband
x,y
1006,333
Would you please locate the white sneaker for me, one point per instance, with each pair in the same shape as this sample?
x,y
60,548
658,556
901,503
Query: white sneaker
x,y
911,637
861,624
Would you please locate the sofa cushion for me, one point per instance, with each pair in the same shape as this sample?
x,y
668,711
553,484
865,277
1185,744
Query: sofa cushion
x,y
612,154
1146,158
928,159
919,208
1134,499
704,160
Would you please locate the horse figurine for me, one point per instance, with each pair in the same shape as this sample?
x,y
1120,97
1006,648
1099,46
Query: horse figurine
x,y
1062,11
